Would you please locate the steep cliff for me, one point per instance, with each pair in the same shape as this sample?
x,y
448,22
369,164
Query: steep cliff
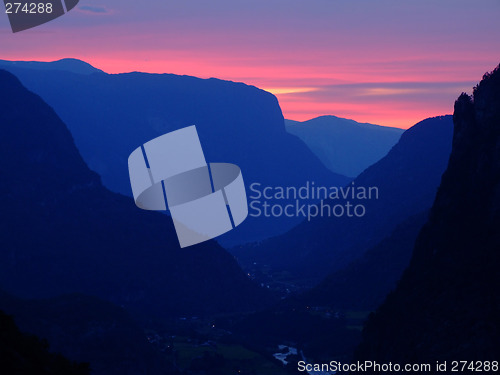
x,y
61,231
447,305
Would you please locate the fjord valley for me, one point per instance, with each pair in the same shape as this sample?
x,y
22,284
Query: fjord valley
x,y
108,287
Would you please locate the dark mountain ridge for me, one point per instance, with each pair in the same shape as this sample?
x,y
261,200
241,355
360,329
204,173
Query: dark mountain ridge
x,y
23,354
364,283
62,232
406,179
447,305
68,65
110,115
88,329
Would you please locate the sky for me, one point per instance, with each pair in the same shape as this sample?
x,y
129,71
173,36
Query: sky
x,y
387,62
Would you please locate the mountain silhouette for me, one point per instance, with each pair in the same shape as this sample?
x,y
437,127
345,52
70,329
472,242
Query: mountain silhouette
x,y
447,306
63,232
88,329
345,146
67,65
110,115
364,283
406,178
24,354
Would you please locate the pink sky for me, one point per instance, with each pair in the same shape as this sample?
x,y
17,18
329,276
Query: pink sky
x,y
386,62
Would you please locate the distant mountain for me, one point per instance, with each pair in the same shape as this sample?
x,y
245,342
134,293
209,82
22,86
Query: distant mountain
x,y
24,354
62,232
447,306
87,329
110,115
345,146
406,180
67,65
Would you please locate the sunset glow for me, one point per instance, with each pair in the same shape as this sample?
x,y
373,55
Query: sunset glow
x,y
387,63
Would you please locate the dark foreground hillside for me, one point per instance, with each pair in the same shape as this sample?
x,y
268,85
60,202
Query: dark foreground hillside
x,y
22,354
